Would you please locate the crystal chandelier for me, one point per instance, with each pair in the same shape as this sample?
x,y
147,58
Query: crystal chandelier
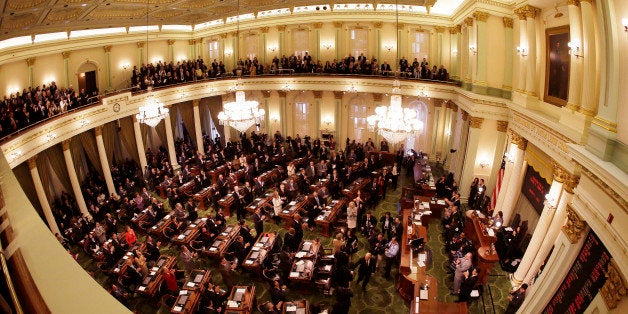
x,y
394,123
152,112
241,114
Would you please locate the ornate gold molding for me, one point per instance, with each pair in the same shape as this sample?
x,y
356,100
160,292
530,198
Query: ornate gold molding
x,y
475,122
378,24
518,140
32,162
66,54
465,115
107,48
337,24
195,102
171,42
439,29
378,97
468,21
481,16
615,286
140,44
191,41
317,25
573,2
559,173
587,112
281,28
30,61
223,35
527,11
454,107
338,95
508,22
574,226
401,26
318,94
282,93
502,126
621,201
264,29
570,183
455,29
266,93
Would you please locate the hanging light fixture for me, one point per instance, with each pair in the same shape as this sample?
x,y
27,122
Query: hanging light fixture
x,y
394,123
240,114
153,111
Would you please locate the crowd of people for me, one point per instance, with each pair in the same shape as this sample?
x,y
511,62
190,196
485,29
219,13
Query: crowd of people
x,y
168,73
21,109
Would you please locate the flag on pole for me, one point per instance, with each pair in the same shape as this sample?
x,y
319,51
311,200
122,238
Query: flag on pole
x,y
498,184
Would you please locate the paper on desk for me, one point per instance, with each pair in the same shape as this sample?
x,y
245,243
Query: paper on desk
x,y
421,263
299,254
190,284
183,292
181,237
152,273
490,232
177,309
423,294
292,203
291,308
233,304
294,274
141,288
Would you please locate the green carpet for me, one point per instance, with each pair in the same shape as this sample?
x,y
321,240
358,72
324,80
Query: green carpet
x,y
380,295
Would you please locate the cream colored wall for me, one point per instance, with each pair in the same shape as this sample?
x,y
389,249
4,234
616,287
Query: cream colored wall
x,y
47,69
485,150
14,77
495,54
180,50
125,54
621,9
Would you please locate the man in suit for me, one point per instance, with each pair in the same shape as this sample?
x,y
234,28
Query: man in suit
x,y
321,172
368,223
318,203
516,299
238,203
462,265
290,243
258,190
468,282
258,221
310,172
366,268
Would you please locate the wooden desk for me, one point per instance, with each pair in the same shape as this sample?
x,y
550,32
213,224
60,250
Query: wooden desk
x,y
140,218
320,184
428,204
225,203
120,267
188,188
214,173
222,241
241,300
261,203
328,216
305,261
412,277
351,191
191,292
203,197
158,229
259,252
151,282
293,207
270,176
485,256
296,307
190,233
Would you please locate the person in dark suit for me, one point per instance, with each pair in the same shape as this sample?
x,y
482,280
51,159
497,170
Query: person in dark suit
x,y
238,203
258,189
290,243
366,268
386,223
368,223
258,221
516,299
468,282
318,203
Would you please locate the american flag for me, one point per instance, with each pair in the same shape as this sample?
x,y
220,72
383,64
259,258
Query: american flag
x,y
498,184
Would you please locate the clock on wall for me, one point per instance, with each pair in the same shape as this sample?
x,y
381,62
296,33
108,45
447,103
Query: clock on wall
x,y
116,107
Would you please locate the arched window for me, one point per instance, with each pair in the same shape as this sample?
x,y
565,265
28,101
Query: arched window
x,y
419,142
300,42
301,122
420,45
358,41
252,44
214,52
357,120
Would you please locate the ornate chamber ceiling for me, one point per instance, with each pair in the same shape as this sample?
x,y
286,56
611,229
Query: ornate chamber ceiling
x,y
29,17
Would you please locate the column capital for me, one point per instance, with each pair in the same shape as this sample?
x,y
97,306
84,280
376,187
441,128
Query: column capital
x,y
559,173
518,140
465,115
401,26
454,107
455,29
502,126
107,48
481,16
575,226
191,41
317,25
615,287
30,61
318,94
66,54
264,29
282,28
266,93
570,183
378,24
282,94
527,11
338,95
65,144
223,35
135,119
171,42
475,122
589,1
447,103
574,2
98,130
438,104
439,29
378,97
140,44
32,162
468,21
508,22
195,102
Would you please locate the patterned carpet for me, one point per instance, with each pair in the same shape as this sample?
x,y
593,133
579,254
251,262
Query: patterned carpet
x,y
380,295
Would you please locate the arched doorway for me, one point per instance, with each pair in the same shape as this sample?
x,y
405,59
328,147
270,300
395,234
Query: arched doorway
x,y
87,78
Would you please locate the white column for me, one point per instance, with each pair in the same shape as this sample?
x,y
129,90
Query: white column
x,y
531,80
41,195
560,215
540,232
513,186
141,151
468,170
507,174
575,70
588,103
523,42
104,163
172,154
76,185
197,127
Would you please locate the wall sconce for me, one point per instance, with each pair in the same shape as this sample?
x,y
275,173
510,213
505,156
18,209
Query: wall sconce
x,y
484,164
454,52
327,46
327,121
272,48
522,51
624,22
447,133
125,66
473,49
388,47
228,53
574,48
274,118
